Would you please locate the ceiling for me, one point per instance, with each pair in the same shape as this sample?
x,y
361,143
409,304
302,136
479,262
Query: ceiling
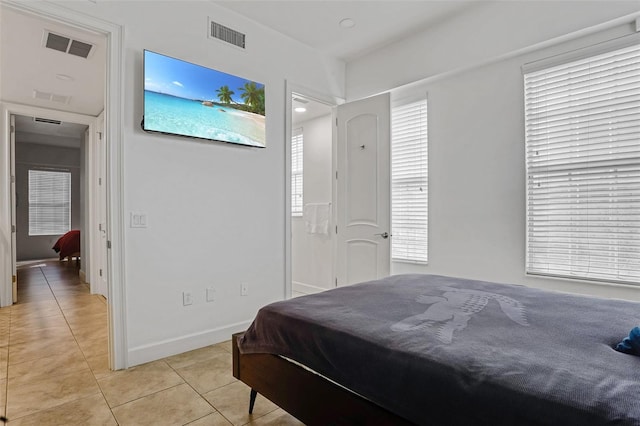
x,y
377,23
35,75
313,109
29,66
68,135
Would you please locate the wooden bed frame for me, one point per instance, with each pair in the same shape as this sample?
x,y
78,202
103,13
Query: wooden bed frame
x,y
305,395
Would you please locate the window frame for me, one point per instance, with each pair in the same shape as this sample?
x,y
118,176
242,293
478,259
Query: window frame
x,y
576,172
37,221
297,171
405,247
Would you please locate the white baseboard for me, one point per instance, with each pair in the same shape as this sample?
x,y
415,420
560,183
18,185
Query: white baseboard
x,y
155,351
306,288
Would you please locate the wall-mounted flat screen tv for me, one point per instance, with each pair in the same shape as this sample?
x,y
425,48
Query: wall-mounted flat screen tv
x,y
181,98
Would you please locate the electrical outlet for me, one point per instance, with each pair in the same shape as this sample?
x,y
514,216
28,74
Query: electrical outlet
x,y
187,298
211,294
244,289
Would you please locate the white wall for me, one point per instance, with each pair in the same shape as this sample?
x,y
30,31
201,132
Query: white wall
x,y
311,254
28,156
476,153
484,32
215,211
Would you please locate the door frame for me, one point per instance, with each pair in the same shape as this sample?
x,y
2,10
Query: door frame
x,y
333,102
9,110
99,280
114,105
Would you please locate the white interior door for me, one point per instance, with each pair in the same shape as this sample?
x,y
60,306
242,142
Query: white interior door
x,y
101,209
363,190
14,260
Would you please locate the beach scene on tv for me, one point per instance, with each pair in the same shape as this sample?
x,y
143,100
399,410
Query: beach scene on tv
x,y
187,99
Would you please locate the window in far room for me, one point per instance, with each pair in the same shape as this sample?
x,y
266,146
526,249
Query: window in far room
x,y
49,202
297,141
582,122
409,183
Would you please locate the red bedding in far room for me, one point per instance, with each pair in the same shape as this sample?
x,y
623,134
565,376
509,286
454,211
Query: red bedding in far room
x,y
68,244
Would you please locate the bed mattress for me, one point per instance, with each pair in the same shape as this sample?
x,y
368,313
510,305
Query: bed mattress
x,y
442,350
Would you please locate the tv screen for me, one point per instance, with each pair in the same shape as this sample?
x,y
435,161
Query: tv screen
x,y
181,98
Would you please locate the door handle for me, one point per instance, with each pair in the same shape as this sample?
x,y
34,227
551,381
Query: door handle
x,y
384,235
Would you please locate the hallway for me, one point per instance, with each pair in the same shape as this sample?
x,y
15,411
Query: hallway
x,y
54,366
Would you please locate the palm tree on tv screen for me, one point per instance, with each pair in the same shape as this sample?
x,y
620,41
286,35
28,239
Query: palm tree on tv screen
x,y
224,94
253,96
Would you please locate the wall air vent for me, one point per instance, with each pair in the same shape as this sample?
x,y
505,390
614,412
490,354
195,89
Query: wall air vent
x,y
226,34
46,120
66,44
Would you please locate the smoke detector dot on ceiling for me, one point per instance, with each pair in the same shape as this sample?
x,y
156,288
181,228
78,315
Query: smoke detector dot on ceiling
x,y
347,23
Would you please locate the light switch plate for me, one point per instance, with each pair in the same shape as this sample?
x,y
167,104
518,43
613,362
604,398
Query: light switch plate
x,y
138,220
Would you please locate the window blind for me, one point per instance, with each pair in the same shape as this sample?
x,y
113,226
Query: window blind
x,y
49,202
297,142
582,122
409,160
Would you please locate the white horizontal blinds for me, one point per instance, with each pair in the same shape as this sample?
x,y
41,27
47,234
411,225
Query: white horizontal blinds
x,y
49,202
409,160
297,142
583,165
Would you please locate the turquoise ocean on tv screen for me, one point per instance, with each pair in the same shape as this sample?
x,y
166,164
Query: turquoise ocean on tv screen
x,y
171,114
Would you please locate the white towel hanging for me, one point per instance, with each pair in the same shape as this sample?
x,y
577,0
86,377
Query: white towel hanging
x,y
316,218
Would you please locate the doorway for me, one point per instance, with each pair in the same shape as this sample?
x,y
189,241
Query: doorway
x,y
113,153
51,189
312,237
359,210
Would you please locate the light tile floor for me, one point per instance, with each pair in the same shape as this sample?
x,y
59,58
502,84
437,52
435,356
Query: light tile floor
x,y
54,368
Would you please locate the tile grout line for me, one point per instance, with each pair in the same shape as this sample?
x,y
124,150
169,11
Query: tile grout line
x,y
62,311
11,309
200,395
220,387
75,339
207,401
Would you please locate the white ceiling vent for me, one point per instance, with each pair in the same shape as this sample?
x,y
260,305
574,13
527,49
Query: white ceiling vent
x,y
66,44
300,100
226,34
46,120
52,97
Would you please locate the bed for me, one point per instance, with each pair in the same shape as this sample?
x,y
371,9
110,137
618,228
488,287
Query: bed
x,y
68,245
428,349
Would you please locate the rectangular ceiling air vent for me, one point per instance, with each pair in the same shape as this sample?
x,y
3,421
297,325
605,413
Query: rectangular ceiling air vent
x,y
52,97
226,34
57,42
46,120
67,44
80,48
300,100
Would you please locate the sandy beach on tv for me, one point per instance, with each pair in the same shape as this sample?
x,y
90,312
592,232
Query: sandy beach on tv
x,y
182,98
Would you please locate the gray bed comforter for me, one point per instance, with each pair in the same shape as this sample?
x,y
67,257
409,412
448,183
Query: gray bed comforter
x,y
441,350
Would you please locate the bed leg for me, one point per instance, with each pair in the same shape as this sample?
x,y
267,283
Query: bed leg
x,y
252,400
